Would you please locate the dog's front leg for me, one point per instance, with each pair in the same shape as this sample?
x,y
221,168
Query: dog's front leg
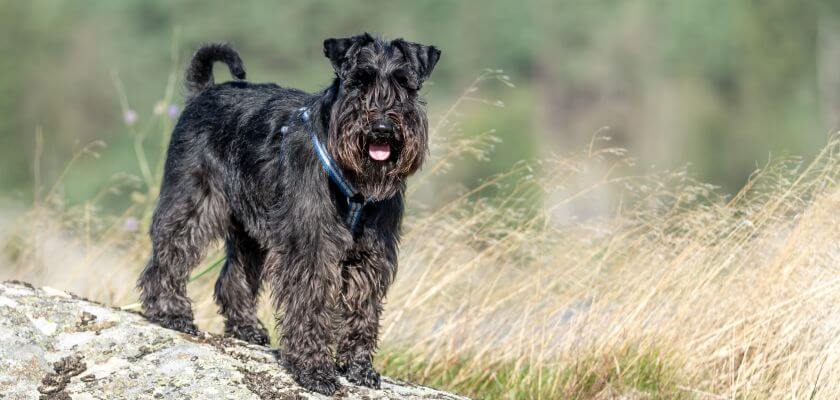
x,y
307,282
364,285
363,289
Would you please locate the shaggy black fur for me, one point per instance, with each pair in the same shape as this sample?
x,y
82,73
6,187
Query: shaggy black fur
x,y
241,166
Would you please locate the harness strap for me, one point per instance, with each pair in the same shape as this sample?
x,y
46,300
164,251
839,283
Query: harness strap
x,y
355,201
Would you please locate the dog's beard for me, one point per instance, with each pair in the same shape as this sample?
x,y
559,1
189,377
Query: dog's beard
x,y
377,168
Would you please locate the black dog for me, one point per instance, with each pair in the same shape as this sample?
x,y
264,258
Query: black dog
x,y
307,190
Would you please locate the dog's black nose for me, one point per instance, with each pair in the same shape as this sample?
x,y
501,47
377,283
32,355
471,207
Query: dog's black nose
x,y
382,129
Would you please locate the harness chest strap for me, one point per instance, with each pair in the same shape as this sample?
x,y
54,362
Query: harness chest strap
x,y
355,200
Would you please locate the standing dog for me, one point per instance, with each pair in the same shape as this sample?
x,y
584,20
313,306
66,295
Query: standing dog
x,y
307,191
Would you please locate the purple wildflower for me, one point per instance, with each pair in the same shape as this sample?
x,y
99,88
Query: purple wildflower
x,y
131,224
130,117
172,111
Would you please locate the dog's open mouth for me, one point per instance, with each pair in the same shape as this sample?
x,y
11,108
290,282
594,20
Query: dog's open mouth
x,y
379,151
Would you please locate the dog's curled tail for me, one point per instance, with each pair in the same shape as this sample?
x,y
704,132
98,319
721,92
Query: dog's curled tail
x,y
200,70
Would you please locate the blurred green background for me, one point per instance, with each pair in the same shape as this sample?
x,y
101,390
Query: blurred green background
x,y
719,84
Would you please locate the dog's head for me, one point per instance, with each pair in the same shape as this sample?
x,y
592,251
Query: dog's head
x,y
378,128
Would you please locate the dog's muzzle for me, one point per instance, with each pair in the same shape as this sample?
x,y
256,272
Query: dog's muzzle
x,y
380,145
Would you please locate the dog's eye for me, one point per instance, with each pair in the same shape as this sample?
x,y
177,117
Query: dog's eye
x,y
363,76
406,80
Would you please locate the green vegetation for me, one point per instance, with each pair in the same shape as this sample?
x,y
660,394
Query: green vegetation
x,y
624,372
720,84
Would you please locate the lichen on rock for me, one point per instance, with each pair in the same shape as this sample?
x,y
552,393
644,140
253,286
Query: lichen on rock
x,y
58,346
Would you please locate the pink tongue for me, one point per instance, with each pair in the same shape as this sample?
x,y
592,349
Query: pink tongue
x,y
379,152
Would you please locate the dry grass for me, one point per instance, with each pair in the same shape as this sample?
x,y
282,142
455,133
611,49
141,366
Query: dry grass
x,y
678,293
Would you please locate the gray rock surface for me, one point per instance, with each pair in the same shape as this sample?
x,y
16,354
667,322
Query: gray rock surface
x,y
54,345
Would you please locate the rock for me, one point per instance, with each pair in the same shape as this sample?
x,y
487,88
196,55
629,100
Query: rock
x,y
54,345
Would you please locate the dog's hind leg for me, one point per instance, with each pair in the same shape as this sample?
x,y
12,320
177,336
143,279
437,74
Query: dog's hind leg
x,y
188,216
238,287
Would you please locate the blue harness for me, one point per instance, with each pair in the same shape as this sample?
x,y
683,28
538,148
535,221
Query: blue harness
x,y
355,200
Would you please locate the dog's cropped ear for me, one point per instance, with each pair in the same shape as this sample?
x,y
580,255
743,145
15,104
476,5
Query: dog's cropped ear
x,y
337,49
422,58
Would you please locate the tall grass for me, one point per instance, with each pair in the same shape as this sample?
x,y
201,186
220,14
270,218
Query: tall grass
x,y
679,292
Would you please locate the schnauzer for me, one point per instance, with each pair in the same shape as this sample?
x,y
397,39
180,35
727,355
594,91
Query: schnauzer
x,y
307,191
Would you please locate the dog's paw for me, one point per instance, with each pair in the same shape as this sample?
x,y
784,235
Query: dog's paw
x,y
176,322
249,332
361,373
320,379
